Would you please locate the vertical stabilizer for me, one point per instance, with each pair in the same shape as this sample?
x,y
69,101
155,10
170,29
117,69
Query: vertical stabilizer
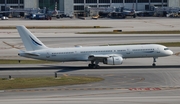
x,y
30,41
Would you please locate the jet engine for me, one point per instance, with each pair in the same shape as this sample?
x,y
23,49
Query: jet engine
x,y
113,60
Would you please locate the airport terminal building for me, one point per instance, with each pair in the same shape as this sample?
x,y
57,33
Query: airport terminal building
x,y
75,6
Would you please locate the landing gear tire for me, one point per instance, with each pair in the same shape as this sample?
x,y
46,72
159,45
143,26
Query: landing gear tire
x,y
96,66
93,66
90,65
153,64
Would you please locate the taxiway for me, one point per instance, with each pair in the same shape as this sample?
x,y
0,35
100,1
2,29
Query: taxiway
x,y
133,82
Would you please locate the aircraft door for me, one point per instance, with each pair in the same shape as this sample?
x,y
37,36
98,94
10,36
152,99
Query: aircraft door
x,y
76,55
48,54
128,51
158,51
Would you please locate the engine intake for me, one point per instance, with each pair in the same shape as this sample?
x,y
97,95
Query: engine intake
x,y
113,60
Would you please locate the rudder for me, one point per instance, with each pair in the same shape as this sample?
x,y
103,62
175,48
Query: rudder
x,y
30,41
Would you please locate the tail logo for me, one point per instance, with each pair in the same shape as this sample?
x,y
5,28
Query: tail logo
x,y
35,42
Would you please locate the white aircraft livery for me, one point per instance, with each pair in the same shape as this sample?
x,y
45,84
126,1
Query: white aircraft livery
x,y
111,55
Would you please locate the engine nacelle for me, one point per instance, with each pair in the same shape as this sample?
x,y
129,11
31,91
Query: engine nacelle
x,y
113,60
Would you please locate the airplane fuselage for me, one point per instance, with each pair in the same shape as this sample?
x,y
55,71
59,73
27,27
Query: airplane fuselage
x,y
111,55
83,53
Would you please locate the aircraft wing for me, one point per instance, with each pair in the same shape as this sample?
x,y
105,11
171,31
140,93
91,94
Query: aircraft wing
x,y
139,11
100,57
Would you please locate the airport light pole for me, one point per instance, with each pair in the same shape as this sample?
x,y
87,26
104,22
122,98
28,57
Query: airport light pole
x,y
123,3
162,3
149,4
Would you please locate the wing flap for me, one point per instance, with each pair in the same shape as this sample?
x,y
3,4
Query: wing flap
x,y
95,57
99,57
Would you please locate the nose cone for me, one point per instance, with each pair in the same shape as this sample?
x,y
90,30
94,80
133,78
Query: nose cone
x,y
170,52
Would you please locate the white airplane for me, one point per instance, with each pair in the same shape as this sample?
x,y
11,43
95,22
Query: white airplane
x,y
111,55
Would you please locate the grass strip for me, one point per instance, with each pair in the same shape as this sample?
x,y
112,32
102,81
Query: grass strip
x,y
21,83
168,44
54,27
133,32
171,44
11,61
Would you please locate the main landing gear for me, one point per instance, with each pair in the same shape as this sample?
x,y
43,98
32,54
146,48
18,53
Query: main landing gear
x,y
92,65
154,61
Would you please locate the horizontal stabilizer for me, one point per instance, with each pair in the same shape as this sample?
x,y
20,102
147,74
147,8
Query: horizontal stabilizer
x,y
25,53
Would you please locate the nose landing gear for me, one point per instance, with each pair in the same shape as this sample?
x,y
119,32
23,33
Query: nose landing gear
x,y
154,61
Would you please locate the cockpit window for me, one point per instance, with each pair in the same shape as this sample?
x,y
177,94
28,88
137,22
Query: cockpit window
x,y
166,48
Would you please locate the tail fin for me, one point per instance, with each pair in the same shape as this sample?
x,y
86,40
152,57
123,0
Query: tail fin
x,y
30,41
